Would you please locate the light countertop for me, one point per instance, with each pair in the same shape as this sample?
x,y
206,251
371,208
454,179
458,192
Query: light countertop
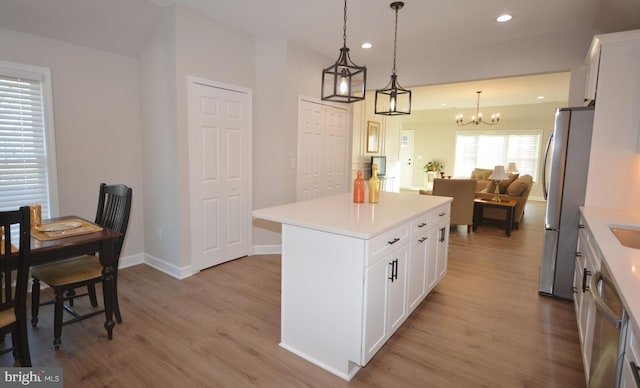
x,y
622,262
339,214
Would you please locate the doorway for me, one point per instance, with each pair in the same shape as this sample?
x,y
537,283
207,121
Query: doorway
x,y
406,158
219,118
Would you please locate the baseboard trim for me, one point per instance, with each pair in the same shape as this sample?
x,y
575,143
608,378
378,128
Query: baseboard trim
x,y
274,249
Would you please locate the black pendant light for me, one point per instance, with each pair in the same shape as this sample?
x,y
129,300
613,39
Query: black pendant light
x,y
393,99
344,81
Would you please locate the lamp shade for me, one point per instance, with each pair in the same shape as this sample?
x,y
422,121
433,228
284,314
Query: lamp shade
x,y
511,168
498,174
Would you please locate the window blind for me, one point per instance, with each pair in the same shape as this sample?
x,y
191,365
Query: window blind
x,y
488,149
23,151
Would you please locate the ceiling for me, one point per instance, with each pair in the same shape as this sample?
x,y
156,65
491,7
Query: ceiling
x,y
123,26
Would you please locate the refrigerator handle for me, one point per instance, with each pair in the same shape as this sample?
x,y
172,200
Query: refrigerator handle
x,y
544,166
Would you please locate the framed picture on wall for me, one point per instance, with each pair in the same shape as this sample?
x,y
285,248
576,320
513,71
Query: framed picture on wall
x,y
373,136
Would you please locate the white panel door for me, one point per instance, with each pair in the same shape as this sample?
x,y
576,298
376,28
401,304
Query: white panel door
x,y
322,151
219,144
310,151
406,158
335,150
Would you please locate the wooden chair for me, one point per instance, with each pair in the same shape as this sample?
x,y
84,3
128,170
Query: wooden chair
x,y
13,302
64,277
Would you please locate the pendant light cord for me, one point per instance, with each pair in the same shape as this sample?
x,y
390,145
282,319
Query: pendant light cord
x,y
395,42
344,28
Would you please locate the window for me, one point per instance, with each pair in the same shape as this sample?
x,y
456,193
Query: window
x,y
487,149
27,158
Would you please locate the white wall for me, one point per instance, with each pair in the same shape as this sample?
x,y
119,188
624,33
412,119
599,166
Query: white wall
x,y
614,167
284,72
159,151
185,44
97,119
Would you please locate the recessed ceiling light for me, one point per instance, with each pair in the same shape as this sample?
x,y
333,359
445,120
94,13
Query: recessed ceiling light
x,y
504,18
540,97
366,45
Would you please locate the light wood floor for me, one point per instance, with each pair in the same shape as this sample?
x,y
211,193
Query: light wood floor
x,y
484,325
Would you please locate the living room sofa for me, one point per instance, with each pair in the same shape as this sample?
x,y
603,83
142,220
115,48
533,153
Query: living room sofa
x,y
517,188
481,175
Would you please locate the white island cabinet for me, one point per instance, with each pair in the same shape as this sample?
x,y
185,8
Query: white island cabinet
x,y
351,273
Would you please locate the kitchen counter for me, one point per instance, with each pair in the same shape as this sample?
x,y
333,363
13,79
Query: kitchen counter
x,y
339,214
622,262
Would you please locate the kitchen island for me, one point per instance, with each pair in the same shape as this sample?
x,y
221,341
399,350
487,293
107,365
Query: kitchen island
x,y
352,273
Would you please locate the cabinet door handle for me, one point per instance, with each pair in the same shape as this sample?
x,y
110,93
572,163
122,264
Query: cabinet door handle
x,y
394,270
578,254
580,226
636,373
392,264
442,234
422,240
585,286
395,240
422,225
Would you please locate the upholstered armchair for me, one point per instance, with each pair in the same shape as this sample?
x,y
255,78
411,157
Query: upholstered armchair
x,y
463,192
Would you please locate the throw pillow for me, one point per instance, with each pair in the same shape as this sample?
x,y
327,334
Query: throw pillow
x,y
517,187
491,188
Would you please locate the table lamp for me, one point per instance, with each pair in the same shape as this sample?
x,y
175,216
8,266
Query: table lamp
x,y
511,168
498,175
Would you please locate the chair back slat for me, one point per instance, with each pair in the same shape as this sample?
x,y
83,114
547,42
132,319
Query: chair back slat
x,y
14,258
114,206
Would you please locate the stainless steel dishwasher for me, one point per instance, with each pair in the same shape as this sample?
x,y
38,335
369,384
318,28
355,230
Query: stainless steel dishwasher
x,y
608,332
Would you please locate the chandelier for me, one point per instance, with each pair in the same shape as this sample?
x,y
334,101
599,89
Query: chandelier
x,y
393,99
477,119
344,81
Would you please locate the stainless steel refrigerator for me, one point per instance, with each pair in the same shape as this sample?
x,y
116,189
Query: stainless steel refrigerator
x,y
564,182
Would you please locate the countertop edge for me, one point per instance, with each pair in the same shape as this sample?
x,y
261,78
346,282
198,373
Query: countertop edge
x,y
353,220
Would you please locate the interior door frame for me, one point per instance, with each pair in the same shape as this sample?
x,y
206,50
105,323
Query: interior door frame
x,y
191,81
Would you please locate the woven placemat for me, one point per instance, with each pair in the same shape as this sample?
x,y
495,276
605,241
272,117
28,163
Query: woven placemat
x,y
84,228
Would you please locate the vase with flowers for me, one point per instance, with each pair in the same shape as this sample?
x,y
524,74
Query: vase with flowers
x,y
433,165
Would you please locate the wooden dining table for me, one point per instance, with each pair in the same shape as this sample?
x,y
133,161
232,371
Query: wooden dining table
x,y
101,242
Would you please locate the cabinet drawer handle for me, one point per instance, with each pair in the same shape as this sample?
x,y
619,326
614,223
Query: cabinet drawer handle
x,y
422,225
580,226
395,240
422,240
578,254
442,214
